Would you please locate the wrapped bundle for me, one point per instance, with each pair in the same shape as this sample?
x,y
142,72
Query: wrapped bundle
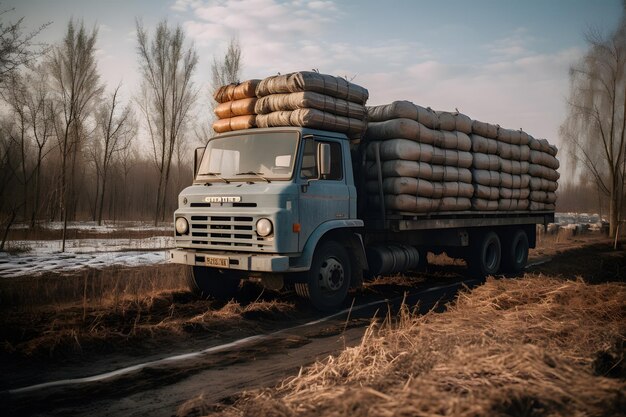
x,y
486,176
485,130
312,81
403,110
514,152
425,156
417,169
412,130
310,99
544,175
235,109
312,118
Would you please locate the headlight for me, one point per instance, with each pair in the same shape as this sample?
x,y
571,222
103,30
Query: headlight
x,y
182,227
264,227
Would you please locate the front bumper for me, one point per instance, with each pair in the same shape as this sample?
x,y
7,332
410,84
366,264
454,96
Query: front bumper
x,y
236,261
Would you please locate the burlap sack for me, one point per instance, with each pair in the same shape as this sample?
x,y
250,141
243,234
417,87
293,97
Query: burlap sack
x,y
421,188
405,203
542,145
414,151
513,167
403,110
234,123
516,194
311,100
514,181
454,121
415,169
412,130
543,197
513,152
535,206
239,91
312,81
484,192
513,137
480,204
242,107
484,177
544,158
541,171
483,145
314,119
512,204
486,161
485,130
542,184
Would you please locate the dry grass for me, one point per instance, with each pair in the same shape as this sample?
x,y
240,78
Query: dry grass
x,y
95,287
537,346
60,314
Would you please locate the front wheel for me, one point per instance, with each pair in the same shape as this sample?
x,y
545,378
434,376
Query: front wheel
x,y
208,282
326,283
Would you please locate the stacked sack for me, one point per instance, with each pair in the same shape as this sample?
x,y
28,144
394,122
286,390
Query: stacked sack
x,y
313,100
513,151
235,109
424,155
543,170
500,168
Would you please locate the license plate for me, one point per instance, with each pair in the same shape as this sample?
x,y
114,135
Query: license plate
x,y
221,262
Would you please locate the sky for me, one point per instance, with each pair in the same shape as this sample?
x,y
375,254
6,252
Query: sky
x,y
499,61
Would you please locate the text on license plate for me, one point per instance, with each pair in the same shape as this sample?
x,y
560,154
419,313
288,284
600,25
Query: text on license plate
x,y
216,261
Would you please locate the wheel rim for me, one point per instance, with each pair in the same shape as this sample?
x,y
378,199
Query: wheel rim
x,y
331,276
491,256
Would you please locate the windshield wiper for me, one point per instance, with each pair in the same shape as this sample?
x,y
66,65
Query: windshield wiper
x,y
258,174
217,174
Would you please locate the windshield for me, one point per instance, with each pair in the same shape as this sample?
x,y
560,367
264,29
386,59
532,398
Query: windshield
x,y
252,156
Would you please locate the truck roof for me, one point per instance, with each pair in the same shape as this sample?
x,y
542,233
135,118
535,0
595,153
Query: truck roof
x,y
302,130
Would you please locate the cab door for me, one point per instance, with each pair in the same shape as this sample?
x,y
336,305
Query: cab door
x,y
322,197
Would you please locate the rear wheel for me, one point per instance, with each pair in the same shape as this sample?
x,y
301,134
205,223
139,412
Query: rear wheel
x,y
212,283
486,255
327,282
515,252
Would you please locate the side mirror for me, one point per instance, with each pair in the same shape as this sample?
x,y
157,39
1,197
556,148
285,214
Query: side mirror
x,y
197,157
323,158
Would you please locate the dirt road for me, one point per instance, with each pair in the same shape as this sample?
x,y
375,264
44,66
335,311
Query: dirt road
x,y
163,377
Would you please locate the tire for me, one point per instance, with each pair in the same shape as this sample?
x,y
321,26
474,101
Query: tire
x,y
486,256
326,283
515,252
208,282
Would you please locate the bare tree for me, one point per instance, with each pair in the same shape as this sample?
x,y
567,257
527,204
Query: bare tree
x,y
594,130
16,47
228,69
41,116
77,87
116,129
168,94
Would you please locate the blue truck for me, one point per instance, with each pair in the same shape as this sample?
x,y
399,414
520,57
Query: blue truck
x,y
286,206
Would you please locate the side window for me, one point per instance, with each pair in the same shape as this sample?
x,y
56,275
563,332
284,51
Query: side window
x,y
309,161
336,169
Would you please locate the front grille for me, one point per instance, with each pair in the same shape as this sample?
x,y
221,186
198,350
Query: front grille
x,y
226,232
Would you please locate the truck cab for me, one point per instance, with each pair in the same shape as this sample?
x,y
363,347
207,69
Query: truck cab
x,y
274,205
